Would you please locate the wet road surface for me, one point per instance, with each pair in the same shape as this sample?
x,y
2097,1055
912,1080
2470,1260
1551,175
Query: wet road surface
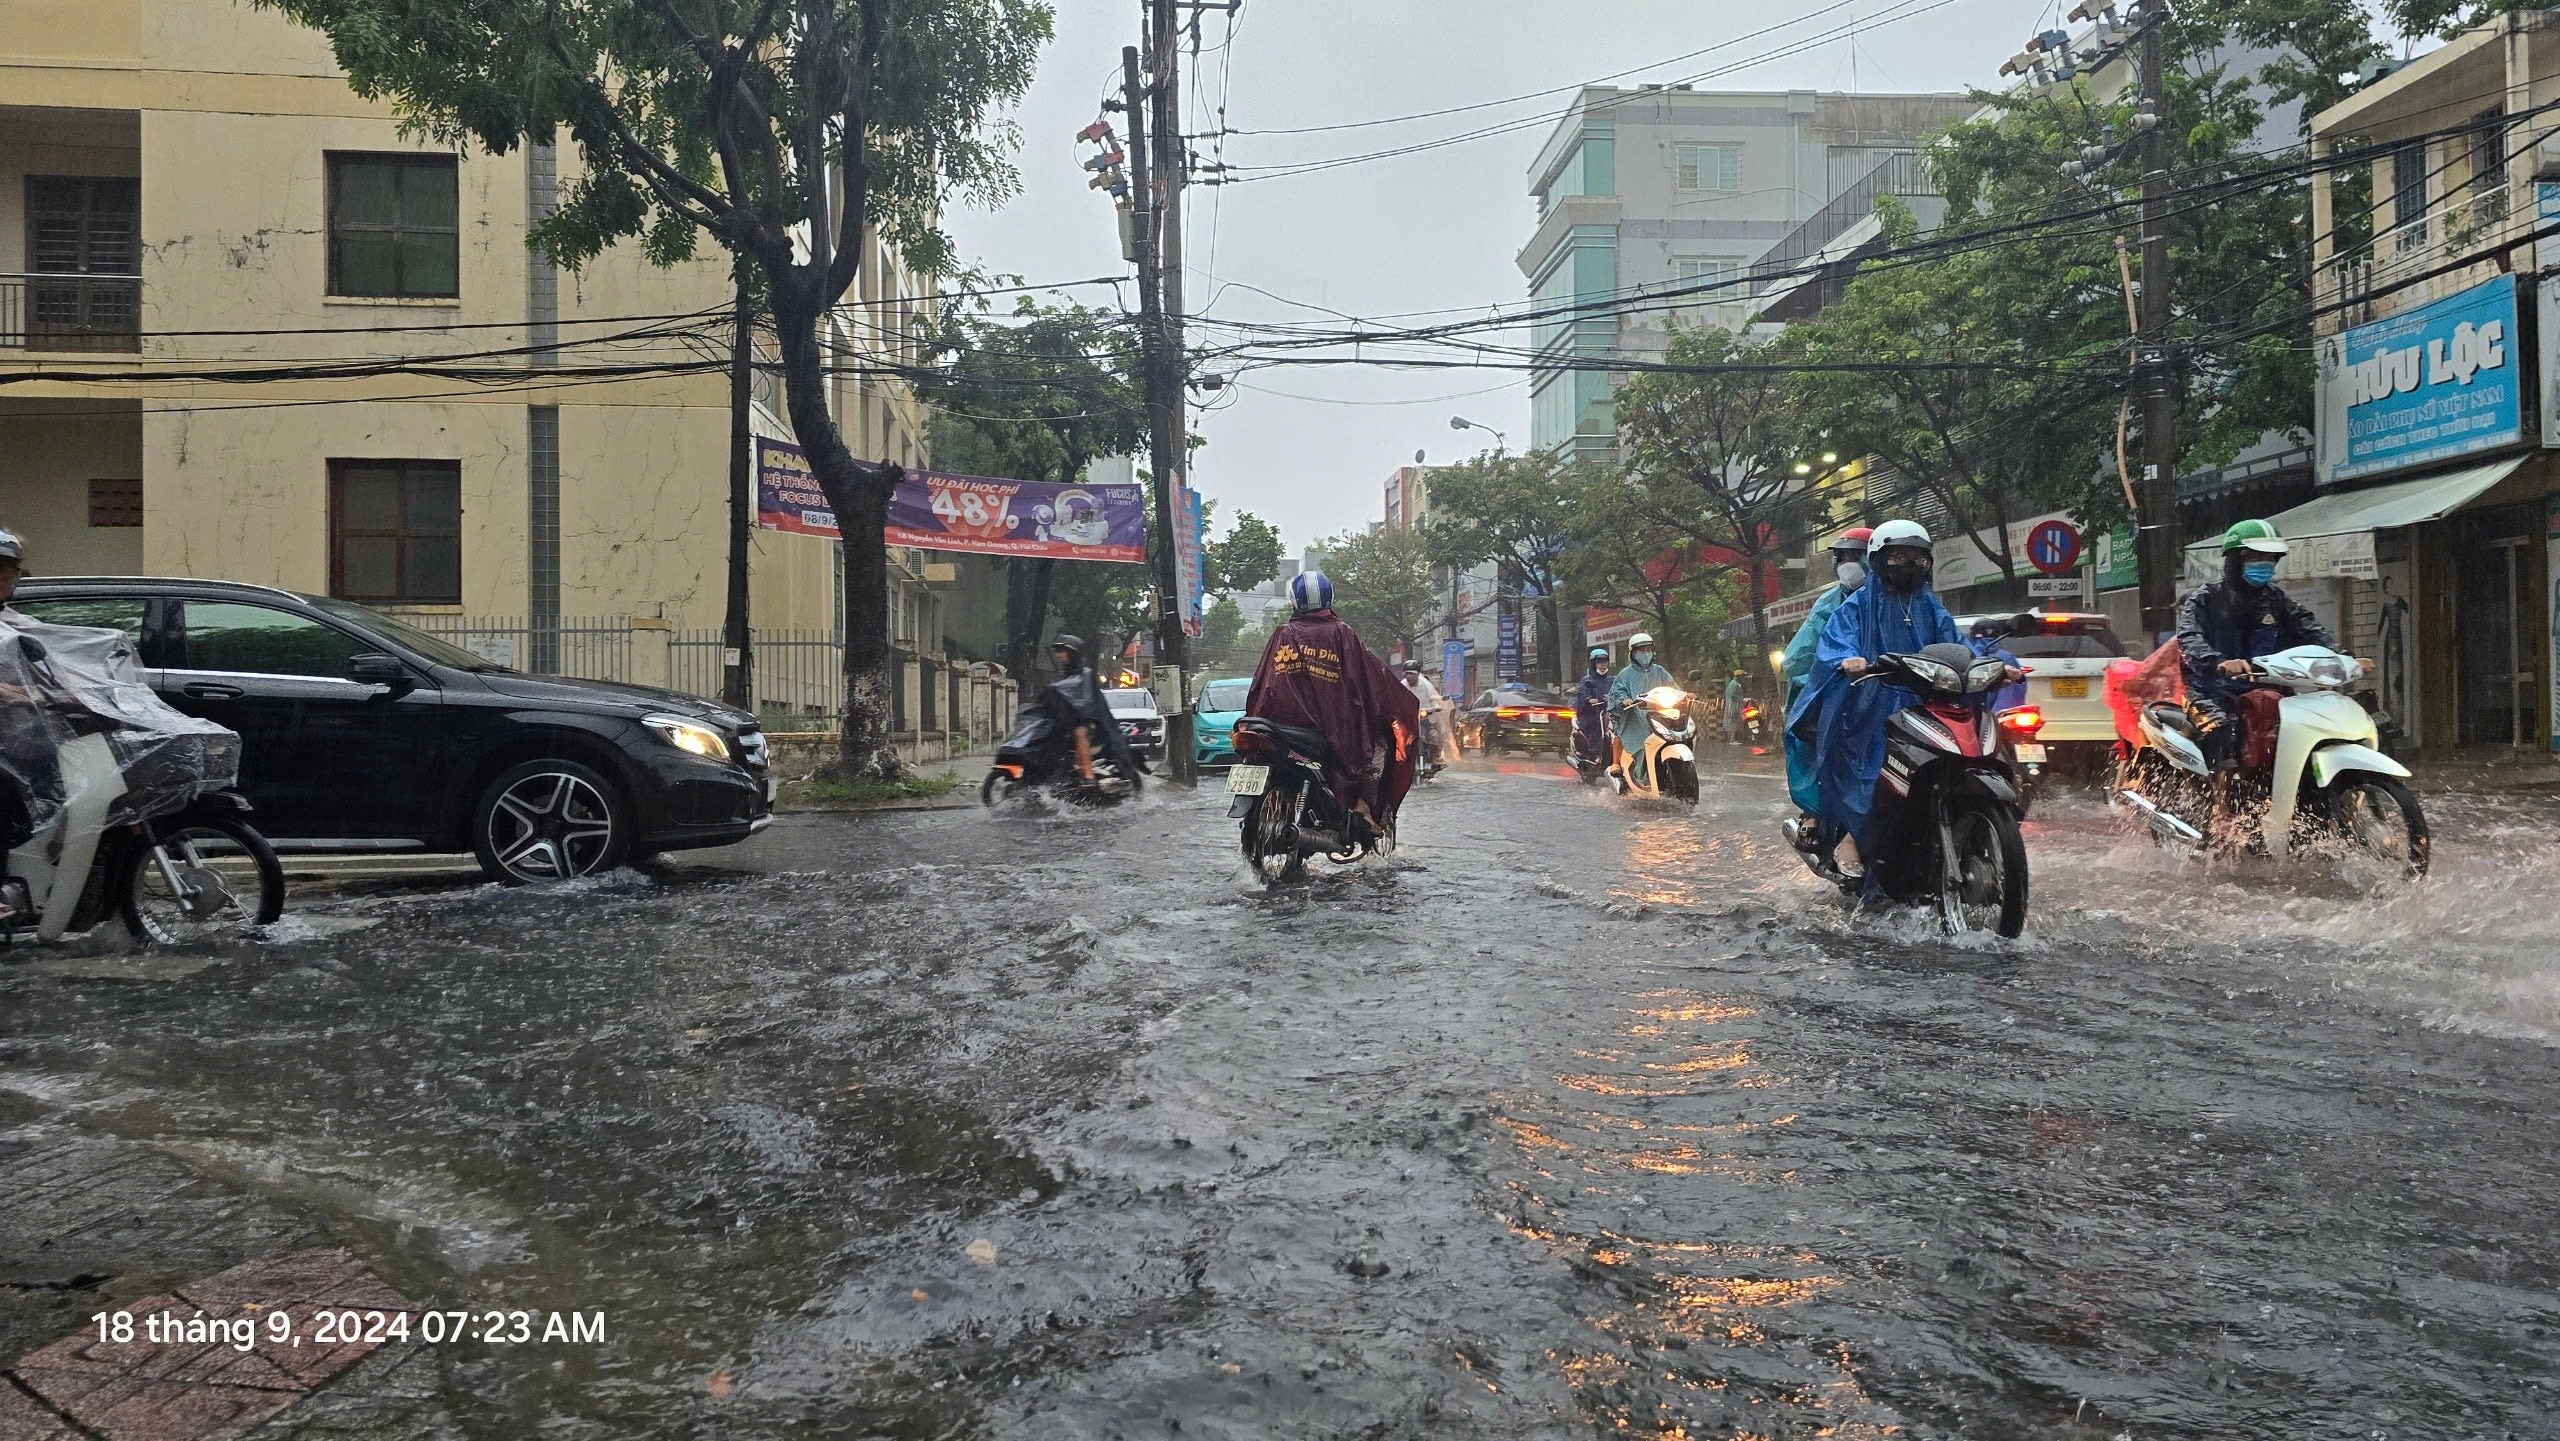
x,y
1575,1120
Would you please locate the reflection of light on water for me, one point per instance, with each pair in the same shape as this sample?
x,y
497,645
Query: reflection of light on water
x,y
1664,860
1728,1062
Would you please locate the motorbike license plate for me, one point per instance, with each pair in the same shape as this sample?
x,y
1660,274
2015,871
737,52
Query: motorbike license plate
x,y
2029,753
2071,687
1247,780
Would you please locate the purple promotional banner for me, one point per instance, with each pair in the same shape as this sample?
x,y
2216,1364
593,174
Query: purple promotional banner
x,y
934,511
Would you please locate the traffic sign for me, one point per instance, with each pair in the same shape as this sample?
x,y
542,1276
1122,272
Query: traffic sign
x,y
2056,585
2054,547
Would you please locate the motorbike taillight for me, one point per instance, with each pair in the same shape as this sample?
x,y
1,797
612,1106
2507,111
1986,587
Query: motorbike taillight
x,y
1251,742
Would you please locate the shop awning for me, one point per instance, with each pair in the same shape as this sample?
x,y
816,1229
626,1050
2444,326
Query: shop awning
x,y
2333,535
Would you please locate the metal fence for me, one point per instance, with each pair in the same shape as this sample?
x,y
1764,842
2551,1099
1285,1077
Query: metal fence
x,y
799,674
70,312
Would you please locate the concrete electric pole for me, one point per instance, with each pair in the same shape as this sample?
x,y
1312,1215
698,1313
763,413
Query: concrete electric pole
x,y
2156,534
1154,148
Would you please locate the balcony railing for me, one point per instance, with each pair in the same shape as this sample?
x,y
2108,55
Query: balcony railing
x,y
70,312
1897,174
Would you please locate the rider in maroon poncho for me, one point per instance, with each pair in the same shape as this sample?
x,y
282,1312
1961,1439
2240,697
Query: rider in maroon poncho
x,y
1316,675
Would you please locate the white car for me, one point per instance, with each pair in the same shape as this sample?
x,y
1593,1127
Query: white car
x,y
1139,720
2065,655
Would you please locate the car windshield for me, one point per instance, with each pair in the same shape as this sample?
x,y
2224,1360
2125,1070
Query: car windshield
x,y
1130,699
1527,696
2064,640
1225,695
434,648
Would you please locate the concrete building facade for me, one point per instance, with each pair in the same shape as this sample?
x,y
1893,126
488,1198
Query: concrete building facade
x,y
1648,190
190,190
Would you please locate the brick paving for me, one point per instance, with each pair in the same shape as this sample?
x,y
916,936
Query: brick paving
x,y
180,1390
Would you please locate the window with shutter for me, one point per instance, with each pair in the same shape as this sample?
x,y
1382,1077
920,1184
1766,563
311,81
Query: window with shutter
x,y
395,531
393,228
88,227
115,502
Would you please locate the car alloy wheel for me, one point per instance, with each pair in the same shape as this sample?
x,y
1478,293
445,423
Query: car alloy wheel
x,y
548,821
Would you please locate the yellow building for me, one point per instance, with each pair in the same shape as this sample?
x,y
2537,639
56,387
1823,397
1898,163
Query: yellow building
x,y
2433,539
188,188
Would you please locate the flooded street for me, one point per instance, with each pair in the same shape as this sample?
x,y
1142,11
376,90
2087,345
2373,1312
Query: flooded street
x,y
1575,1120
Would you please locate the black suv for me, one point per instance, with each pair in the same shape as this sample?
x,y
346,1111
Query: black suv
x,y
362,733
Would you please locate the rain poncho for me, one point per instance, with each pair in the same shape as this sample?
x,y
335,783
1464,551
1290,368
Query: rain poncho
x,y
1591,711
1633,723
1846,720
80,680
1316,675
2009,696
1051,716
1799,666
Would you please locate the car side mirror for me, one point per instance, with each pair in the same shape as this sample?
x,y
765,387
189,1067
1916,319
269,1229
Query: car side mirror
x,y
375,668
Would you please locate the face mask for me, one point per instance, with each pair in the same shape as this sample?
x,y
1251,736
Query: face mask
x,y
1852,573
2259,572
1644,657
1906,575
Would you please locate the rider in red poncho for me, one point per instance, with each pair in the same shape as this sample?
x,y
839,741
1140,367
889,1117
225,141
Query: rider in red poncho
x,y
1315,674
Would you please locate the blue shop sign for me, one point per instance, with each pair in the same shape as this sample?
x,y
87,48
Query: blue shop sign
x,y
2425,385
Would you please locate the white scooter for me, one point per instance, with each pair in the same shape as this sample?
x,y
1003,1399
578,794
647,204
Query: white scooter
x,y
1670,748
2328,769
98,846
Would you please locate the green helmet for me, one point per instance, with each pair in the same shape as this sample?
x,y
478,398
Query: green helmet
x,y
2255,535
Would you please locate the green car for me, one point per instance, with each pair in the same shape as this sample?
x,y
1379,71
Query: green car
x,y
1214,717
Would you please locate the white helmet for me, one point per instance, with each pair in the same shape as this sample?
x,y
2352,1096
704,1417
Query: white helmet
x,y
1899,533
1639,640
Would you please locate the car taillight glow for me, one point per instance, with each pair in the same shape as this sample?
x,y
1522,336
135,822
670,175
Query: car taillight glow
x,y
2025,720
1510,712
1560,715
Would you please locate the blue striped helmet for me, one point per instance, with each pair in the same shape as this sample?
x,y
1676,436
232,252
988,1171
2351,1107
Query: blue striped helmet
x,y
1311,590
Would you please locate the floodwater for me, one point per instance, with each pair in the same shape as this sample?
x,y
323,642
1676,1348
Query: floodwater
x,y
1576,1119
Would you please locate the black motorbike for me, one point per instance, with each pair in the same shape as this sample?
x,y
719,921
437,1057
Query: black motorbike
x,y
1946,831
1282,795
1066,745
1589,762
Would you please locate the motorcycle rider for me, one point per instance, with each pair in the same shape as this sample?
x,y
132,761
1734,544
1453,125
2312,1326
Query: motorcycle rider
x,y
1984,640
13,554
1075,698
1316,675
1435,722
1591,706
1639,675
1898,614
1849,571
2224,625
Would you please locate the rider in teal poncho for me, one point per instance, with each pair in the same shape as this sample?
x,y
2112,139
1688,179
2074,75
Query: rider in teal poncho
x,y
1848,567
1640,675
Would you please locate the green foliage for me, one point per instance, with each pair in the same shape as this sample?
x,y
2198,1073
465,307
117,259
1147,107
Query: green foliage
x,y
1216,648
1516,510
1245,557
1038,395
1384,585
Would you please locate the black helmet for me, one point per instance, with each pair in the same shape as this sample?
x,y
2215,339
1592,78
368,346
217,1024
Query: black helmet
x,y
1072,644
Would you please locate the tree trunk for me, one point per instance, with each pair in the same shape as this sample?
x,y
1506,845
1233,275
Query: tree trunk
x,y
859,494
1759,621
1026,612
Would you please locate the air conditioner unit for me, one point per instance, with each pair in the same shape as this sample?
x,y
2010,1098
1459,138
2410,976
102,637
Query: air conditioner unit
x,y
2546,158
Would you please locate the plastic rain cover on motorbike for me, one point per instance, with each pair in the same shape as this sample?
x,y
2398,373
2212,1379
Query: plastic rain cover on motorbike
x,y
79,680
2131,686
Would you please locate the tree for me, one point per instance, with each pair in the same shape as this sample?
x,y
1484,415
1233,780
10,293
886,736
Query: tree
x,y
1625,556
1246,556
1712,453
787,131
1383,586
1039,395
1221,627
1517,511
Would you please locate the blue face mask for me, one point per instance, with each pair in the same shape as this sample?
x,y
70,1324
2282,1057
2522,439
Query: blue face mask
x,y
1644,657
2259,572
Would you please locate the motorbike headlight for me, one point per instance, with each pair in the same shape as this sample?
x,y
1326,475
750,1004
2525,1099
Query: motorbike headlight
x,y
2329,672
1932,673
687,735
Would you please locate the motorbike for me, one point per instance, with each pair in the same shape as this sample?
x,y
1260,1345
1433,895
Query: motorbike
x,y
1591,762
1285,806
1751,722
2019,727
1066,745
1426,760
1670,748
2311,765
116,804
1950,840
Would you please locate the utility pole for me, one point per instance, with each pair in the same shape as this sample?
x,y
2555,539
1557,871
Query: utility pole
x,y
1162,363
738,681
2157,544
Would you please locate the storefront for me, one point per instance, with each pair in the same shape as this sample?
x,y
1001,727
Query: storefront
x,y
2429,550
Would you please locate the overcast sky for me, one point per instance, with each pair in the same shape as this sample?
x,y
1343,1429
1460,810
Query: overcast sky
x,y
1310,448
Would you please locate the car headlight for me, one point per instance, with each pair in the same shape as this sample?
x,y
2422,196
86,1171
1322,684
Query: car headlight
x,y
686,735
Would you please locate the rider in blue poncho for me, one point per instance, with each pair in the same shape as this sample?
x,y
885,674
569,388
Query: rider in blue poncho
x,y
1640,675
1894,613
1984,640
1849,569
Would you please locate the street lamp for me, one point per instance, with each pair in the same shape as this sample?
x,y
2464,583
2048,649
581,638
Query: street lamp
x,y
1460,422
